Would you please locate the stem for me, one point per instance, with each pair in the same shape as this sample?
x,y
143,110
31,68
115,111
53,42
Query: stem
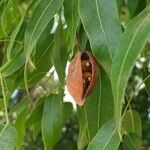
x,y
142,82
129,100
4,99
128,104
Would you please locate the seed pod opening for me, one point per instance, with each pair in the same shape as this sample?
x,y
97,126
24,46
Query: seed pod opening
x,y
82,76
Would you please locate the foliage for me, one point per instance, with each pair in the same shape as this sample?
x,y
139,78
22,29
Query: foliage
x,y
37,40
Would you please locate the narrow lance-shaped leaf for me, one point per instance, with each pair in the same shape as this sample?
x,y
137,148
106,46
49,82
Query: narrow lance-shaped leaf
x,y
36,129
132,5
42,56
98,107
20,127
59,56
83,138
83,38
36,114
13,37
8,136
15,54
132,123
107,138
52,121
72,19
101,22
42,15
67,111
9,18
18,32
133,41
13,65
132,142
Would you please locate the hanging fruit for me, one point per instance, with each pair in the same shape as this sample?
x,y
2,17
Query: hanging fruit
x,y
82,76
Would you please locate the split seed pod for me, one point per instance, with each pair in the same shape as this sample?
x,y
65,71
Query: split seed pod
x,y
82,76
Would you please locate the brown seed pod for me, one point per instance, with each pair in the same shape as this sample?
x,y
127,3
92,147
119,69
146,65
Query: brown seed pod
x,y
82,76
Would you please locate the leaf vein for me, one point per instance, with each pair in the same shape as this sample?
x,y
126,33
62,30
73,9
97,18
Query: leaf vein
x,y
99,17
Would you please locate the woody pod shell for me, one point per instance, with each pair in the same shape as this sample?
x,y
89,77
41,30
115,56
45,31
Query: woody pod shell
x,y
75,76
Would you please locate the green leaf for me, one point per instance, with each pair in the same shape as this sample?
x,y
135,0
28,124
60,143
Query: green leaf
x,y
9,18
13,65
19,107
148,2
20,127
132,42
102,27
36,113
42,56
59,56
98,108
83,38
67,111
2,6
107,138
132,123
52,121
72,19
83,139
36,129
2,102
18,33
7,137
132,142
13,38
132,5
41,16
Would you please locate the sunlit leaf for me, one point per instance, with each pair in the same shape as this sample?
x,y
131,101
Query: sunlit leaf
x,y
107,138
132,42
98,108
20,127
41,16
132,123
101,23
59,56
72,19
8,136
52,121
132,142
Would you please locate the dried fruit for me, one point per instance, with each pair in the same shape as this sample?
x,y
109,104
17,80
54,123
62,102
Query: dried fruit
x,y
82,76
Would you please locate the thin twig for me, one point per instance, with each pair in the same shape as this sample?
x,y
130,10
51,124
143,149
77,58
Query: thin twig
x,y
133,96
4,99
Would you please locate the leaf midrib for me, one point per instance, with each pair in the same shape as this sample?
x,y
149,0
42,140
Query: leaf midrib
x,y
99,17
45,52
109,138
99,102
